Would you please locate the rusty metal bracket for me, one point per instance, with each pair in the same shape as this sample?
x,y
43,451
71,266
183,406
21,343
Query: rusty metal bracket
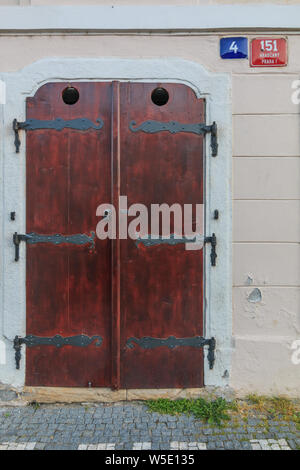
x,y
57,341
80,124
214,139
174,127
17,238
213,254
172,342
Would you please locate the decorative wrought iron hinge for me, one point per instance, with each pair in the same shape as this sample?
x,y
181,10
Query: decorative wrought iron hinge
x,y
80,124
213,254
57,340
172,342
174,127
150,240
57,239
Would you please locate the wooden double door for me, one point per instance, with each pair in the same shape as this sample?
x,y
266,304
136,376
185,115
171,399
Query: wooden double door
x,y
113,312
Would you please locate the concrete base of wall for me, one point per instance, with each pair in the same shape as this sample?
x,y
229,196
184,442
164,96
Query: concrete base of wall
x,y
106,395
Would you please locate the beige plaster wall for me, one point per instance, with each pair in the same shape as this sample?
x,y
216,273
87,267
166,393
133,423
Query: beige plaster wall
x,y
266,187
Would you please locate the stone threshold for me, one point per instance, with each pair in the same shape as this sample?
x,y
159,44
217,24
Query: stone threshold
x,y
106,395
103,395
26,394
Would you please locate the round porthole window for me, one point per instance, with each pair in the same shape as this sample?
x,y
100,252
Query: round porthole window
x,y
70,95
160,96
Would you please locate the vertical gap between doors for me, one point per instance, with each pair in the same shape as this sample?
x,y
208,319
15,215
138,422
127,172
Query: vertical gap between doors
x,y
115,188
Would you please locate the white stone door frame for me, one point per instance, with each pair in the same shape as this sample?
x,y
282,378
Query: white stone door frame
x,y
215,88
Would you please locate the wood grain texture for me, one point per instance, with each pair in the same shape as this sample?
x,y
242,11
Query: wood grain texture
x,y
68,286
161,286
118,290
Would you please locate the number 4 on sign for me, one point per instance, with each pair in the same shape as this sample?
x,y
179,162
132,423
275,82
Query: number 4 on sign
x,y
234,47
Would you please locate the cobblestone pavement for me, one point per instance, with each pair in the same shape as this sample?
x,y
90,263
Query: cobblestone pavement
x,y
131,426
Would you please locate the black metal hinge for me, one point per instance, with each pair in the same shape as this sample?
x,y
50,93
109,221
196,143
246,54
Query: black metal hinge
x,y
57,340
80,124
56,239
174,127
147,342
213,254
149,127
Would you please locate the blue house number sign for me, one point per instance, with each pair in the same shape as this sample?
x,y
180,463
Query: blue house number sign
x,y
234,48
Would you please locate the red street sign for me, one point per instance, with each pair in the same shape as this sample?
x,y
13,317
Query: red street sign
x,y
268,52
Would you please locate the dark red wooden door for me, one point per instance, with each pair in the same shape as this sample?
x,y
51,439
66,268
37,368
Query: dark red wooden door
x,y
161,285
68,284
117,291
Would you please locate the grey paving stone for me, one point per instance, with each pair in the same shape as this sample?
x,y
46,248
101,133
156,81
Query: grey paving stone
x,y
120,446
246,445
40,446
219,444
292,444
252,421
211,446
60,447
281,435
172,418
207,431
237,445
68,426
228,445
